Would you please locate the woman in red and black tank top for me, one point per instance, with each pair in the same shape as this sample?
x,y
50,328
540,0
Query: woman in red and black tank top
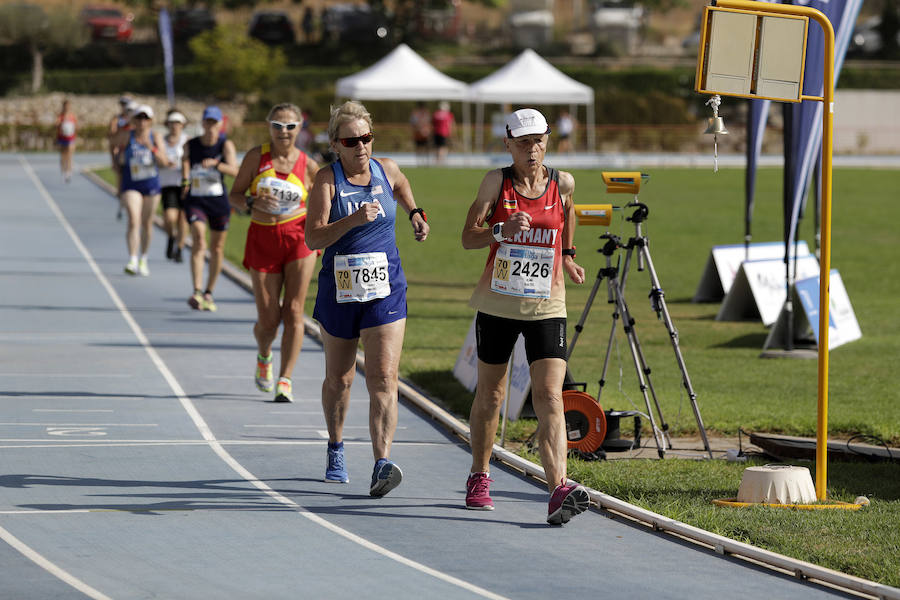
x,y
525,215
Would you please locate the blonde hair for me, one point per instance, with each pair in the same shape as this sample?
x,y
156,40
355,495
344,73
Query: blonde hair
x,y
285,106
345,113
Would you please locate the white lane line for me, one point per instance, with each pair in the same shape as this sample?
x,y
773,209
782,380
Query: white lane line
x,y
50,567
79,424
73,410
48,443
68,375
207,433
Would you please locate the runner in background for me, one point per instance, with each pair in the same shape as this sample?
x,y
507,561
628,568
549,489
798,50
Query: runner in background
x,y
207,159
66,127
170,179
276,175
121,121
140,154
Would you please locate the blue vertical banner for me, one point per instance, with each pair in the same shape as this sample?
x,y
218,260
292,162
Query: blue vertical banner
x,y
165,38
806,123
756,127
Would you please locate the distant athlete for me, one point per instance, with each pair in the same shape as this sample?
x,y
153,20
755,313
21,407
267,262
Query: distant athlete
x,y
206,160
66,129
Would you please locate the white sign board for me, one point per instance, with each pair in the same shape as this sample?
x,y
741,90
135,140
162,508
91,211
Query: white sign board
x,y
842,324
466,371
724,261
759,289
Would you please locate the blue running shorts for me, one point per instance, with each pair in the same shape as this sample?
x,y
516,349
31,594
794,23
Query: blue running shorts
x,y
346,320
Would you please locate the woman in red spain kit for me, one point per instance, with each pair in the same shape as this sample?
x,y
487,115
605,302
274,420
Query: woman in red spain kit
x,y
277,176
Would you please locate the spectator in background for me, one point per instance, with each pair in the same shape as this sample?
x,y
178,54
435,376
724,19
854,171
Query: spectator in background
x,y
442,128
308,24
565,127
420,122
66,124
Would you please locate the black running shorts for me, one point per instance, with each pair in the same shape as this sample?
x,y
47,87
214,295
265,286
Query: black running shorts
x,y
495,338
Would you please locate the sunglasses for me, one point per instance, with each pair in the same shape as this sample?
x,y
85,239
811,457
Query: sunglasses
x,y
351,142
142,116
278,125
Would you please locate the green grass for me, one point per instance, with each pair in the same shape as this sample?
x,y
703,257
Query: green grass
x,y
690,212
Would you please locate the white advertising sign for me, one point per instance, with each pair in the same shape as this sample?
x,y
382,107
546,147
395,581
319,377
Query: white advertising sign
x,y
724,261
842,324
759,289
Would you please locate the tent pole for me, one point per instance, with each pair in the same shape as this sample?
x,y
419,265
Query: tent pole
x,y
479,133
591,133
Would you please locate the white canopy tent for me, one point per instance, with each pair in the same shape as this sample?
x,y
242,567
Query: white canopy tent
x,y
404,75
528,79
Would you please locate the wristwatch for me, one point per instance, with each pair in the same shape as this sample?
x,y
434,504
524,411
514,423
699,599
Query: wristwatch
x,y
497,230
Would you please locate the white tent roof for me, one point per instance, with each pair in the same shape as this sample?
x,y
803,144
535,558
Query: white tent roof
x,y
529,79
401,75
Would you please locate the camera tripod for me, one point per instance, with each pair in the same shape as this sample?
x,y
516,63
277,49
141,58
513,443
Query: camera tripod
x,y
615,281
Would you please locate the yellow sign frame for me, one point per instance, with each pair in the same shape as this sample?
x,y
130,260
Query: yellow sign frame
x,y
703,59
827,99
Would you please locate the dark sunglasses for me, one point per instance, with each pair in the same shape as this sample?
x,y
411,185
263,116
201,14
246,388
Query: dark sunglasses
x,y
142,116
351,142
278,125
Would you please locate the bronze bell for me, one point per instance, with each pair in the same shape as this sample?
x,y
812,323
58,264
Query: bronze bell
x,y
716,126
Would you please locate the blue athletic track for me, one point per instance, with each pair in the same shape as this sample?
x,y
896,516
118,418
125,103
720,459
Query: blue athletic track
x,y
138,460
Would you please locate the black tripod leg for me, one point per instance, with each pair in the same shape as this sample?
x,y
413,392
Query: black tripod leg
x,y
659,299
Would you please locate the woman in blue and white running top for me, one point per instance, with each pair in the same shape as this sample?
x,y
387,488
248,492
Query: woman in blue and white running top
x,y
362,289
140,154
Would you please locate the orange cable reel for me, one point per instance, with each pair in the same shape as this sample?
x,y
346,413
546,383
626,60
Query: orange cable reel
x,y
585,421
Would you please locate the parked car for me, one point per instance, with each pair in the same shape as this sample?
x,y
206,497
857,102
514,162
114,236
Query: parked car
x,y
188,22
353,23
271,27
108,23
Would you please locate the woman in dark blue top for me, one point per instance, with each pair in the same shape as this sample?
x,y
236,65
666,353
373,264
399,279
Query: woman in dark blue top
x,y
362,289
207,159
140,154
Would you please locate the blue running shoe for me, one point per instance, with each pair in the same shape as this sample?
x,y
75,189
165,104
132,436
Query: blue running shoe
x,y
335,471
385,477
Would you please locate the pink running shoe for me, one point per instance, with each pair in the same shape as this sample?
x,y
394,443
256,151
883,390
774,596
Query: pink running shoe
x,y
566,501
478,492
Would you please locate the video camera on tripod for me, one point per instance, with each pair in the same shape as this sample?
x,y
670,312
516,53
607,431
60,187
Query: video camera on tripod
x,y
585,419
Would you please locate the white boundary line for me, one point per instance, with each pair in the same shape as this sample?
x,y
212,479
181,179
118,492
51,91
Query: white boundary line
x,y
51,568
207,433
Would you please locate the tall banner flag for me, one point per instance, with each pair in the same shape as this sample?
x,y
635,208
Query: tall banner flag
x,y
802,121
756,127
165,38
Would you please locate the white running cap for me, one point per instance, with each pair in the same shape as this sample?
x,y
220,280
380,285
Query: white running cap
x,y
526,121
143,109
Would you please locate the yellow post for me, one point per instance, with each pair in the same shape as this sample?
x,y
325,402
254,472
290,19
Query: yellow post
x,y
825,258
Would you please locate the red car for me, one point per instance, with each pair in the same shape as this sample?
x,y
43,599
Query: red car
x,y
108,23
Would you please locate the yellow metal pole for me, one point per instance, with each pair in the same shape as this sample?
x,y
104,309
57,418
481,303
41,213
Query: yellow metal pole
x,y
825,258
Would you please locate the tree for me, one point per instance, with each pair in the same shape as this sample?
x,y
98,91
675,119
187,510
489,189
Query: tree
x,y
30,25
234,64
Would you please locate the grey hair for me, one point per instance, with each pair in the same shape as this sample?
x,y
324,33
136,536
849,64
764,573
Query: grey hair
x,y
285,106
350,110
